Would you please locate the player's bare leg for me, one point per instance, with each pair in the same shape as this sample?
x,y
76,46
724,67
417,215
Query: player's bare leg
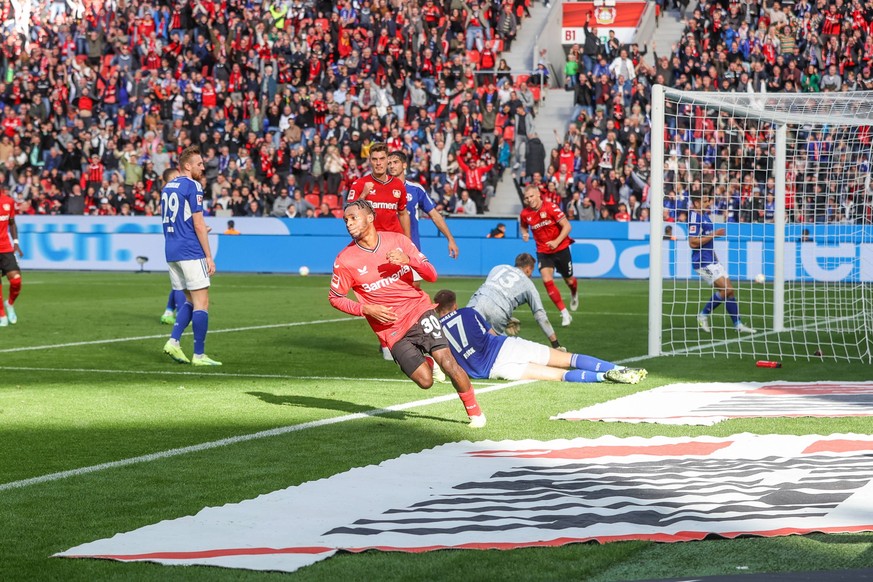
x,y
437,372
540,372
560,358
422,376
548,275
462,384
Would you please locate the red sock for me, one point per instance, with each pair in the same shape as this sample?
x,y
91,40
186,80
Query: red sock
x,y
14,289
2,309
573,285
469,400
554,295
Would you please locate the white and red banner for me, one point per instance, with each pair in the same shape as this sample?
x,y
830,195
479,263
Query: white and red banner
x,y
622,17
707,404
512,494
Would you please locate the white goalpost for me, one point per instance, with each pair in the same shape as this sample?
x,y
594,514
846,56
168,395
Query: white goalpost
x,y
788,178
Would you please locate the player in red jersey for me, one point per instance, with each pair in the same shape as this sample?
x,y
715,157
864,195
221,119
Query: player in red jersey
x,y
551,231
378,267
386,193
8,262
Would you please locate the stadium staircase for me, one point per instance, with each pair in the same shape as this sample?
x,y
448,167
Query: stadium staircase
x,y
557,105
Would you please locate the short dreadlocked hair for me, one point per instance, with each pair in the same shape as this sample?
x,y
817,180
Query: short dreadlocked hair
x,y
363,204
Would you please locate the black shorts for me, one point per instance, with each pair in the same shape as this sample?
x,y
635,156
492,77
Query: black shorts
x,y
8,263
561,261
425,336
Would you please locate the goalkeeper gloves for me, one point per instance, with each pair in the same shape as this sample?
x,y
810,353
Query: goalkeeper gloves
x,y
513,327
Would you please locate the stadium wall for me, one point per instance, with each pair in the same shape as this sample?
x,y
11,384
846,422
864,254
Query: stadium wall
x,y
601,249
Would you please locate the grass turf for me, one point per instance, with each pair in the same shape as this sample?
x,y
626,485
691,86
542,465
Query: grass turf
x,y
105,392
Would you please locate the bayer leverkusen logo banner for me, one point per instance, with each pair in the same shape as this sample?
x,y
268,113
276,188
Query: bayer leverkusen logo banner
x,y
622,17
513,494
707,404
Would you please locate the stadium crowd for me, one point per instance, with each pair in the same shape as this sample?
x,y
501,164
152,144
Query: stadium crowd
x,y
284,97
602,170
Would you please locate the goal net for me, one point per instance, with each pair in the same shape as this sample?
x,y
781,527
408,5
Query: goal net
x,y
785,180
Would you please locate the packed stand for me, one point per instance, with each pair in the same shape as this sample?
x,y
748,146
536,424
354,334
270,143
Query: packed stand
x,y
285,99
601,168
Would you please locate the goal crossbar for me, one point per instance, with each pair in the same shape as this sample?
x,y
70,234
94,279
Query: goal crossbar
x,y
853,109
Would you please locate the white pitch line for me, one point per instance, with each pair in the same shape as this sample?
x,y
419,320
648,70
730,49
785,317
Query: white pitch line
x,y
197,374
205,374
258,435
243,438
164,335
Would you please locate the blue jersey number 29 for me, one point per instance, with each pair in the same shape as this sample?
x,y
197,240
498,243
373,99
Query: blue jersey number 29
x,y
169,206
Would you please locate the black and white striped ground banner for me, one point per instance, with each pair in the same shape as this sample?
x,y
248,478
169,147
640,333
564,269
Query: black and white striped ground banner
x,y
710,403
512,494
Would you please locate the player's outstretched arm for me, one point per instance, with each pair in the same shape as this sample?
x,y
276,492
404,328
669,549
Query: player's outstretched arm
x,y
443,227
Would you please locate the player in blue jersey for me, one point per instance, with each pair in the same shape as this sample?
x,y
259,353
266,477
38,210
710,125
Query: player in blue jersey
x,y
416,197
188,255
176,299
701,234
484,354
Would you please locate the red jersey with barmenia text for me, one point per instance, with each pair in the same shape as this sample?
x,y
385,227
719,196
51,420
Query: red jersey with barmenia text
x,y
375,281
544,224
388,198
7,211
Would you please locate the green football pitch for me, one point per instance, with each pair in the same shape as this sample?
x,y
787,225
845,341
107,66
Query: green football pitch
x,y
92,415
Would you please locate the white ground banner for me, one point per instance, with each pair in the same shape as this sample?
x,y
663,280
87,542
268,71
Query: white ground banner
x,y
708,404
512,494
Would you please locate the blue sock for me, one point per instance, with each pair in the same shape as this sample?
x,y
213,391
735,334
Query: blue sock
x,y
200,324
179,300
171,301
582,376
589,363
733,309
183,318
713,304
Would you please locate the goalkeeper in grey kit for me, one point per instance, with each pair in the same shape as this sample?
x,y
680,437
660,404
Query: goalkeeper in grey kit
x,y
506,288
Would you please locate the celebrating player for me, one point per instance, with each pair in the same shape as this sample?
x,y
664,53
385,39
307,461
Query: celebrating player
x,y
416,197
484,354
701,234
176,299
551,231
8,262
506,288
378,267
188,255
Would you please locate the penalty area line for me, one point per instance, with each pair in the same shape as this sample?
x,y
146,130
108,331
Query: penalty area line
x,y
164,335
244,438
